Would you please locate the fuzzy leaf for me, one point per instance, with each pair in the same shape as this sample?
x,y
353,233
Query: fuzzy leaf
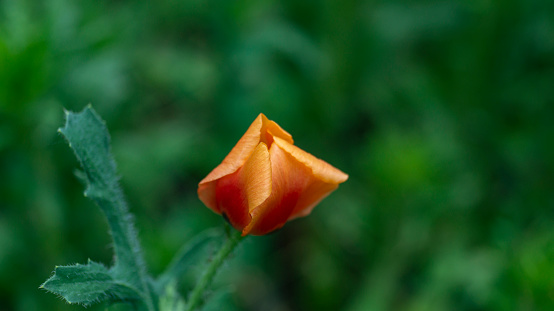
x,y
88,284
88,136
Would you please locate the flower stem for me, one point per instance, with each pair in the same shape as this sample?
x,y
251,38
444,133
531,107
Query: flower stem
x,y
196,296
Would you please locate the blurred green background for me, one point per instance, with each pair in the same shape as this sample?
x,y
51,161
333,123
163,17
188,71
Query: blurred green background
x,y
440,111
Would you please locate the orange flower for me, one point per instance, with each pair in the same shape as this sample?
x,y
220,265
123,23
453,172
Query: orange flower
x,y
266,181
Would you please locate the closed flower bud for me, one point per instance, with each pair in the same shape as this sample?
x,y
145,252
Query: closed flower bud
x,y
266,181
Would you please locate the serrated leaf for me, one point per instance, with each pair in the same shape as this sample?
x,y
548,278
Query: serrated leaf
x,y
88,136
89,284
81,176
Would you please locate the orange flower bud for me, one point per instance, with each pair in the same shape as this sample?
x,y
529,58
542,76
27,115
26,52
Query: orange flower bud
x,y
266,181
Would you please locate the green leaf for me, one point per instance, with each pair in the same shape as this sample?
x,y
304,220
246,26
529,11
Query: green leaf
x,y
88,136
89,284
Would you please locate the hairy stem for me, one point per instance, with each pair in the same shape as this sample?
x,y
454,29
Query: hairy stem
x,y
196,296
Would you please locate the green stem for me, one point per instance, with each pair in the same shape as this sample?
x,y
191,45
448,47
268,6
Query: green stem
x,y
190,253
195,298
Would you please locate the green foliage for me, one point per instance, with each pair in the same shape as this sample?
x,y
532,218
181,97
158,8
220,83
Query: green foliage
x,y
128,280
88,136
89,284
440,111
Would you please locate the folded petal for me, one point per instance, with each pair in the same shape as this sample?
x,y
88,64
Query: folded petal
x,y
289,178
238,193
260,130
321,169
300,182
256,177
324,178
271,129
239,154
266,180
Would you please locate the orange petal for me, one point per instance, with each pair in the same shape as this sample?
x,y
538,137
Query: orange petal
x,y
239,154
261,129
238,193
289,178
300,182
321,169
259,190
271,129
325,178
316,191
256,177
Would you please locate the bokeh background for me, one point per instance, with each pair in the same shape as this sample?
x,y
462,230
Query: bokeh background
x,y
440,111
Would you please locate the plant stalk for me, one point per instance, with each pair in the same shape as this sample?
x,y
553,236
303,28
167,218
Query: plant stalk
x,y
196,296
